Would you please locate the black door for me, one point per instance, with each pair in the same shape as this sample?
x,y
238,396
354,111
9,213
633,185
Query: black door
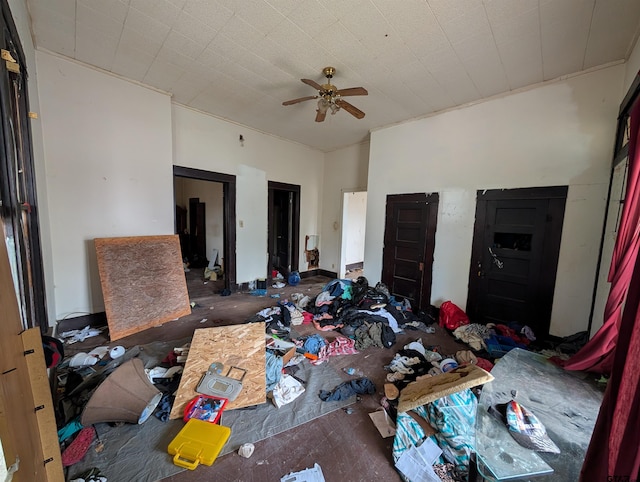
x,y
409,236
515,256
283,231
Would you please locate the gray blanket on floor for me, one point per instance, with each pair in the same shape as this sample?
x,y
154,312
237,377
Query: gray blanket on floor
x,y
139,452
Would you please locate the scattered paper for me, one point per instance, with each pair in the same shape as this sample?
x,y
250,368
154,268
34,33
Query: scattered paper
x,y
383,423
308,475
286,391
416,463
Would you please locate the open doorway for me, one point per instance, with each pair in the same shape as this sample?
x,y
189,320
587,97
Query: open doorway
x,y
284,228
354,219
205,223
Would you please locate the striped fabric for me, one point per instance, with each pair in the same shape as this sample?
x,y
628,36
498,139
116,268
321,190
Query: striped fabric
x,y
454,418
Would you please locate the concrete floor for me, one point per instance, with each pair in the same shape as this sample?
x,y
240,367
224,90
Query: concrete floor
x,y
347,447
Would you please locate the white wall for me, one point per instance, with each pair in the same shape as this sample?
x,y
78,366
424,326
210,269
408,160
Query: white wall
x,y
354,224
107,144
557,134
631,68
210,193
202,141
23,25
345,170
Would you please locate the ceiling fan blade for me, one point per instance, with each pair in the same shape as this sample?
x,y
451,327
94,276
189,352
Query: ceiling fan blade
x,y
351,109
320,115
312,83
352,91
301,99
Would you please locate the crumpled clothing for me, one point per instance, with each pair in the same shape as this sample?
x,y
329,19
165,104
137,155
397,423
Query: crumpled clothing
x,y
416,345
447,472
73,427
337,287
393,323
163,409
504,330
466,357
274,370
454,416
369,334
403,364
362,386
473,335
339,346
484,364
528,332
313,343
324,298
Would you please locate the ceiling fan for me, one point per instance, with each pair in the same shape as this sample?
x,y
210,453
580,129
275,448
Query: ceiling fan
x,y
330,97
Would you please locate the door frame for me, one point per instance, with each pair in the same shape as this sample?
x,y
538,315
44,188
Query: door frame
x,y
228,182
20,208
430,238
295,222
341,271
557,195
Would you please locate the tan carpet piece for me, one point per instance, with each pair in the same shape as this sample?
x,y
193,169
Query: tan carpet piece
x,y
427,390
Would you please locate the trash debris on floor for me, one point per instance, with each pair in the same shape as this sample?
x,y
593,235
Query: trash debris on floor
x,y
426,403
313,474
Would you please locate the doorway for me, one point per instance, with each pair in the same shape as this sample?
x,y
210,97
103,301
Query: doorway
x,y
283,228
354,221
205,221
516,244
409,240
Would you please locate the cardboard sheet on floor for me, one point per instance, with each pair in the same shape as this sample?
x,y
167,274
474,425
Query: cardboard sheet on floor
x,y
143,282
429,389
241,346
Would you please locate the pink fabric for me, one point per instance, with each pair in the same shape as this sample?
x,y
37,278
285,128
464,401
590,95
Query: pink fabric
x,y
339,346
76,451
613,451
597,355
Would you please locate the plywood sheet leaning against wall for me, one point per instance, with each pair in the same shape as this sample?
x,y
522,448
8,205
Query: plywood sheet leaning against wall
x,y
143,282
241,346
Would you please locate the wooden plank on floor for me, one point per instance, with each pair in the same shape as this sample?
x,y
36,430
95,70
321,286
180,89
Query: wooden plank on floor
x,y
242,346
143,282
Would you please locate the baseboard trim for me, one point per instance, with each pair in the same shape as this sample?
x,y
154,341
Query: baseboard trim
x,y
93,320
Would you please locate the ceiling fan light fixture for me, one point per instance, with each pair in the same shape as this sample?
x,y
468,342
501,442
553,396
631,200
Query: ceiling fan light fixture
x,y
323,105
330,97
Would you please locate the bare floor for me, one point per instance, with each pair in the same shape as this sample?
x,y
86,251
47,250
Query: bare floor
x,y
347,446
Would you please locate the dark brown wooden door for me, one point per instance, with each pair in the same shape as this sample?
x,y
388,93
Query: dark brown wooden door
x,y
409,237
515,256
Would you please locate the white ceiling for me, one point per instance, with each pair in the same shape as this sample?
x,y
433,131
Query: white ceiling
x,y
241,59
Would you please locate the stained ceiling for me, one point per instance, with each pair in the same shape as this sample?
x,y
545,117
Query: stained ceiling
x,y
239,60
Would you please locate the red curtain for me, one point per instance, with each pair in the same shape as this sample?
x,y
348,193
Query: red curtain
x,y
598,354
614,450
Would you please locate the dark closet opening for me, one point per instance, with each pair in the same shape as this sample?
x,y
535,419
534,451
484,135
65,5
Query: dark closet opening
x,y
283,227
